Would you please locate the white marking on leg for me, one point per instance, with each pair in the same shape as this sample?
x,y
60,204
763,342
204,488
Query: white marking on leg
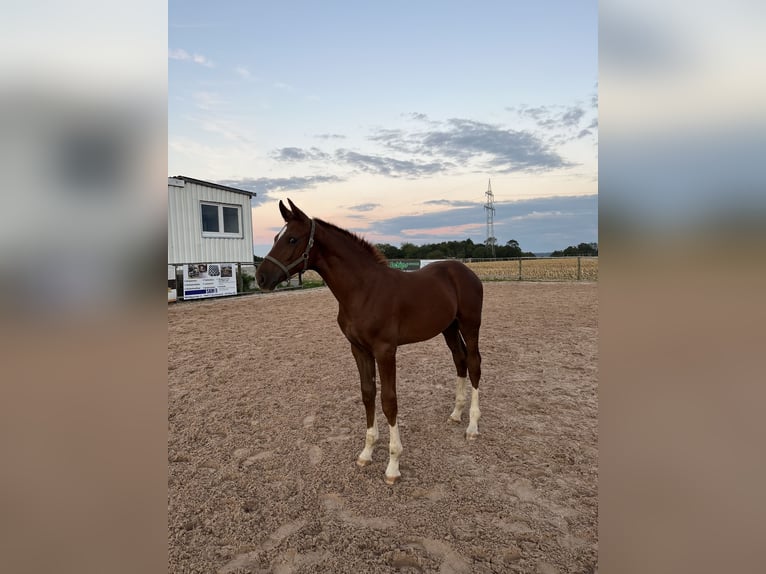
x,y
370,438
473,422
394,452
460,396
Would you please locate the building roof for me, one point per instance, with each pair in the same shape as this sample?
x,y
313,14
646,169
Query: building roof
x,y
214,185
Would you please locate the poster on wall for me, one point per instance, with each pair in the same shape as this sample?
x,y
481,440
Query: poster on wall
x,y
209,280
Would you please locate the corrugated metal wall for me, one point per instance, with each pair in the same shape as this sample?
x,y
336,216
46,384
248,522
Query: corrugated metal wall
x,y
185,241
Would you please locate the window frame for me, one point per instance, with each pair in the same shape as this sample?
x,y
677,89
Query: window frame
x,y
221,234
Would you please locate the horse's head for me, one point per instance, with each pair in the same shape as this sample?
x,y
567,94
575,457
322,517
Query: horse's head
x,y
291,251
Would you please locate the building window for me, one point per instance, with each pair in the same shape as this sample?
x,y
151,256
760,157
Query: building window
x,y
230,219
219,220
210,218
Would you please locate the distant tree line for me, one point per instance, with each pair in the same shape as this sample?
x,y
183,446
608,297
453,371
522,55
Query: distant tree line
x,y
466,249
583,249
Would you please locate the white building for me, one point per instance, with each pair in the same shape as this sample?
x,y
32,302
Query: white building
x,y
210,239
208,222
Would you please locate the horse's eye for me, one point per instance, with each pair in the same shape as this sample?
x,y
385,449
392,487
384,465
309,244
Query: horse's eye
x,y
292,240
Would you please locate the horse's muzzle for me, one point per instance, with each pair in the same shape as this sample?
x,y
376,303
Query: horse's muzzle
x,y
266,282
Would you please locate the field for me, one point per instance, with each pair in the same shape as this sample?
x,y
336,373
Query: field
x,y
265,423
547,269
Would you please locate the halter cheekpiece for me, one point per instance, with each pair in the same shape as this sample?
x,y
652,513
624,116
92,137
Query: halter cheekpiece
x,y
304,256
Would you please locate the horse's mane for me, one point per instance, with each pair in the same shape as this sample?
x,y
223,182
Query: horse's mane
x,y
366,245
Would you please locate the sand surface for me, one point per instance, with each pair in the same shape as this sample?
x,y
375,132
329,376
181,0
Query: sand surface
x,y
266,422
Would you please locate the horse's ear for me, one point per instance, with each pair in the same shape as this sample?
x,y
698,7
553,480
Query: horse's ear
x,y
286,215
297,212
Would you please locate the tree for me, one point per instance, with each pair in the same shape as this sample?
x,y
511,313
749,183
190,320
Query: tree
x,y
480,252
389,251
581,250
409,251
465,249
511,249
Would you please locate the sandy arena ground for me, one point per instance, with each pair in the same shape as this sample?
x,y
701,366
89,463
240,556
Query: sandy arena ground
x,y
266,421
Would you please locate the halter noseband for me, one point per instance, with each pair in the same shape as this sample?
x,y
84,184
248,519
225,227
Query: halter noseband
x,y
304,257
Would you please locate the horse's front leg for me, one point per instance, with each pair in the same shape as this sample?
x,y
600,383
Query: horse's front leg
x,y
387,368
365,362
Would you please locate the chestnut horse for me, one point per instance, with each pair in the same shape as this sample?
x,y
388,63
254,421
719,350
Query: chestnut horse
x,y
381,308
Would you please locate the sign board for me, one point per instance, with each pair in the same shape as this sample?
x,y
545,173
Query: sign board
x,y
209,280
424,262
404,264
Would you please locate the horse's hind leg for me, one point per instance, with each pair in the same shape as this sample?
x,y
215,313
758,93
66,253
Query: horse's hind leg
x,y
457,346
386,358
365,362
470,334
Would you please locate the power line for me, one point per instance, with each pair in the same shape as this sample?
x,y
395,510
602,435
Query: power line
x,y
489,207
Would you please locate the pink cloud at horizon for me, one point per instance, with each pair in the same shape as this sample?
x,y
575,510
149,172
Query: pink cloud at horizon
x,y
452,230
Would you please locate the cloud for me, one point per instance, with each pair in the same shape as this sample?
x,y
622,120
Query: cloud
x,y
330,136
265,185
539,215
588,131
420,117
208,100
243,73
456,145
538,113
539,224
572,116
375,164
228,129
284,86
552,117
506,150
451,202
364,207
485,146
388,166
445,233
299,154
449,224
183,55
395,139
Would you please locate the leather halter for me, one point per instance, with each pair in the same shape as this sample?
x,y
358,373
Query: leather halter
x,y
304,257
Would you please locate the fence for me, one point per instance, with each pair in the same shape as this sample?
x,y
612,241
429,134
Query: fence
x,y
516,269
536,269
580,268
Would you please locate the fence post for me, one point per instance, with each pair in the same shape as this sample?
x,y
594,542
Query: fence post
x,y
519,268
179,282
579,273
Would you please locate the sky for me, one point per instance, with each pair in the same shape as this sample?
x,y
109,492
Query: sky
x,y
393,119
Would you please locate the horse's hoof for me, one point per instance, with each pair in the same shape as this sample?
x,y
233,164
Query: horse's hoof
x,y
392,479
360,462
472,436
453,419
